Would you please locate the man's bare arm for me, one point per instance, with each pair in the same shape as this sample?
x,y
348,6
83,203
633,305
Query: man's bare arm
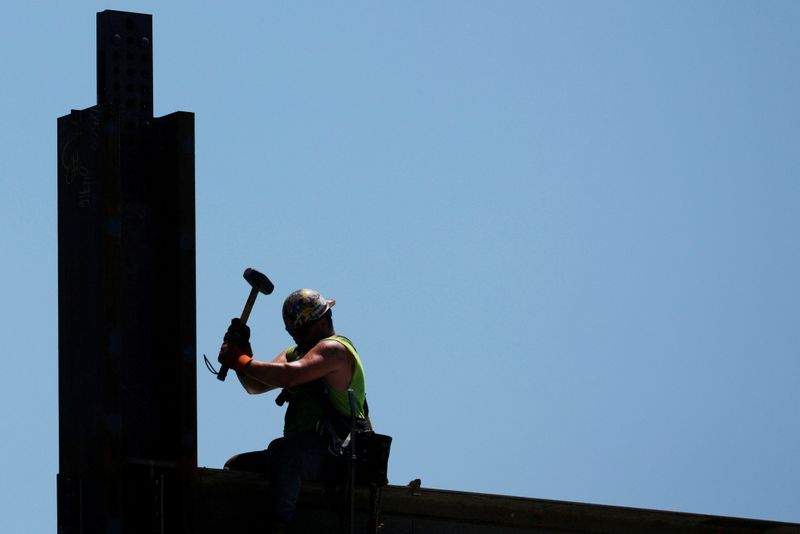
x,y
328,359
253,386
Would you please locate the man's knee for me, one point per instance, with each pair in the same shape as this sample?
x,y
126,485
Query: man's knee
x,y
255,461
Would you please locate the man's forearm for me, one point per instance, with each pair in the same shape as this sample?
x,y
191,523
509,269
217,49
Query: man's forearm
x,y
251,385
272,374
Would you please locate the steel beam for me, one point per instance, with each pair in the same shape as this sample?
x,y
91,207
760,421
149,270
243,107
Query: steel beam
x,y
126,273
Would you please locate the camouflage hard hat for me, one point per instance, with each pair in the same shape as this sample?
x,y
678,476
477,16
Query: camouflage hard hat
x,y
303,306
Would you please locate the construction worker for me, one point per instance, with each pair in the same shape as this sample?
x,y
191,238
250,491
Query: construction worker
x,y
315,375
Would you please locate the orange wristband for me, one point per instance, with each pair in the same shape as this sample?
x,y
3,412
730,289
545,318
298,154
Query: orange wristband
x,y
234,357
242,361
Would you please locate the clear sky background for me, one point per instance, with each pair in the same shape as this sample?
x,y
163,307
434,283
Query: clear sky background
x,y
564,236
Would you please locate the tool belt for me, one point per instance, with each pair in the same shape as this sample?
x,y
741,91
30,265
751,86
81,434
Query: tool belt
x,y
372,449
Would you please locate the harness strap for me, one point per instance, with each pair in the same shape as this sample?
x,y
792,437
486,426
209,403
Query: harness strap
x,y
328,424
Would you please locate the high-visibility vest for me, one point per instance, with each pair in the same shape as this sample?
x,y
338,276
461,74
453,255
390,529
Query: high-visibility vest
x,y
304,409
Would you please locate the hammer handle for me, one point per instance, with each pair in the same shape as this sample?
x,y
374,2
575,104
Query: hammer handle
x,y
248,306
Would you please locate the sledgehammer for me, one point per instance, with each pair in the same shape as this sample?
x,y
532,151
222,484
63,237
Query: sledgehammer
x,y
259,283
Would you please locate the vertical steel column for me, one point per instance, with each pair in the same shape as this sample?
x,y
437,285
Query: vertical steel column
x,y
126,272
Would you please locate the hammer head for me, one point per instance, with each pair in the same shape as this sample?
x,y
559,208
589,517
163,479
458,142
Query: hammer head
x,y
258,281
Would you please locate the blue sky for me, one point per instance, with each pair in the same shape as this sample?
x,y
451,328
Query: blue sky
x,y
564,236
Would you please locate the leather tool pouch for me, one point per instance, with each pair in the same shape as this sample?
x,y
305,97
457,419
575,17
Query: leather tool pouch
x,y
372,458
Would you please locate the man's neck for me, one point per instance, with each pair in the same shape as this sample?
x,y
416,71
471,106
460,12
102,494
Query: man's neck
x,y
311,344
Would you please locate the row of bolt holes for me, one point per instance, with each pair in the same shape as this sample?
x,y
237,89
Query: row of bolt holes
x,y
144,42
116,40
130,56
130,88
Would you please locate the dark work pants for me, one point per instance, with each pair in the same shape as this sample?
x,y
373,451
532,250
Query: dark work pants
x,y
288,461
